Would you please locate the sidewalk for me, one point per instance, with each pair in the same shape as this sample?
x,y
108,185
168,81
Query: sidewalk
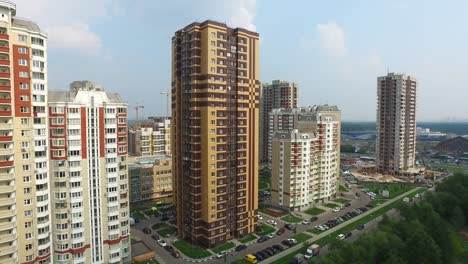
x,y
330,231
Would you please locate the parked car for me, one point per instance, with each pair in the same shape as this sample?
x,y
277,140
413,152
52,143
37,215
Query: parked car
x,y
287,243
349,234
280,231
418,195
240,248
262,239
336,209
272,222
341,236
370,206
292,240
269,252
273,249
155,237
271,235
162,243
278,247
259,217
221,254
360,227
146,230
169,248
306,222
289,226
347,204
175,254
313,219
259,256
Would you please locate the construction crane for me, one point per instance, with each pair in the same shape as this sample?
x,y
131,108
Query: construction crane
x,y
137,109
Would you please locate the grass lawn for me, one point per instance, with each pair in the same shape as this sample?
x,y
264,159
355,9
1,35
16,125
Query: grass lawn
x,y
224,247
314,231
394,189
314,211
301,237
453,168
166,231
263,184
190,250
377,202
331,205
137,214
159,226
266,229
342,189
248,238
341,200
287,258
291,219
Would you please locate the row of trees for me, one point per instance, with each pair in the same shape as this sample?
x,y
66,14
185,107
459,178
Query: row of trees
x,y
428,231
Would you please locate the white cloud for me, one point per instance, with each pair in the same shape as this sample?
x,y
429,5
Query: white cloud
x,y
332,39
242,13
68,22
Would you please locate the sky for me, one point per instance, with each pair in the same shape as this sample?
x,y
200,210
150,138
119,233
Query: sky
x,y
334,50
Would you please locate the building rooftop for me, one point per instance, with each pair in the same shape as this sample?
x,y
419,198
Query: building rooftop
x,y
148,161
85,92
26,24
140,248
308,110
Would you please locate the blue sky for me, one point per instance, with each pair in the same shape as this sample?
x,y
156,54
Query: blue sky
x,y
334,49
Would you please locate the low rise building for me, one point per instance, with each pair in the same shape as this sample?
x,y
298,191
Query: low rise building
x,y
151,179
153,137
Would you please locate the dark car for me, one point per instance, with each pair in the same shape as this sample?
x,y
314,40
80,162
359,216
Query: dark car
x,y
278,247
262,239
347,204
313,218
267,253
240,247
287,243
280,231
259,257
273,249
370,206
349,234
363,209
155,237
175,254
136,220
360,227
146,230
289,226
169,248
262,254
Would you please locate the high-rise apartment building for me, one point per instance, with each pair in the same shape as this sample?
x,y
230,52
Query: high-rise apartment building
x,y
396,123
89,175
215,97
153,137
278,94
150,179
306,157
25,207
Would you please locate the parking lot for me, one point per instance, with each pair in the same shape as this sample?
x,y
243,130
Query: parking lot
x,y
164,257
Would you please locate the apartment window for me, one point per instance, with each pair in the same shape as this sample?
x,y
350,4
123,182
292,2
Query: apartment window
x,y
57,110
24,86
213,52
27,190
57,121
23,62
22,50
213,34
213,43
23,74
26,179
27,213
22,38
27,224
25,156
27,202
25,167
24,109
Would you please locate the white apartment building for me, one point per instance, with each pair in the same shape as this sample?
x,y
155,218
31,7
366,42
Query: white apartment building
x,y
88,152
306,159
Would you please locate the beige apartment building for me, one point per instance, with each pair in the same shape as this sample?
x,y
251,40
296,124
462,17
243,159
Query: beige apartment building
x,y
89,175
25,207
306,157
278,94
396,123
215,115
151,179
151,137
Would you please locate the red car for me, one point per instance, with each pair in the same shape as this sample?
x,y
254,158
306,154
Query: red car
x,y
280,231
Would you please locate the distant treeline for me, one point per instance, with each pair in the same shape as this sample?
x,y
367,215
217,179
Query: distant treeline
x,y
456,128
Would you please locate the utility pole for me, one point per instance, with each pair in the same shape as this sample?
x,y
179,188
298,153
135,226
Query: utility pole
x,y
167,103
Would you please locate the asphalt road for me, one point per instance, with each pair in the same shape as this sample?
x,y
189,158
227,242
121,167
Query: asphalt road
x,y
164,257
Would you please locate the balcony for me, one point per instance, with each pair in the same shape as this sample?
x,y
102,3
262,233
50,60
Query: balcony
x,y
6,151
7,225
7,238
7,201
5,113
6,126
7,250
7,188
4,36
5,62
13,259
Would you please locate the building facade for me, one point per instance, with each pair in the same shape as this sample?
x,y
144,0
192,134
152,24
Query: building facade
x,y
396,123
153,137
306,157
215,97
89,182
25,207
151,179
278,94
